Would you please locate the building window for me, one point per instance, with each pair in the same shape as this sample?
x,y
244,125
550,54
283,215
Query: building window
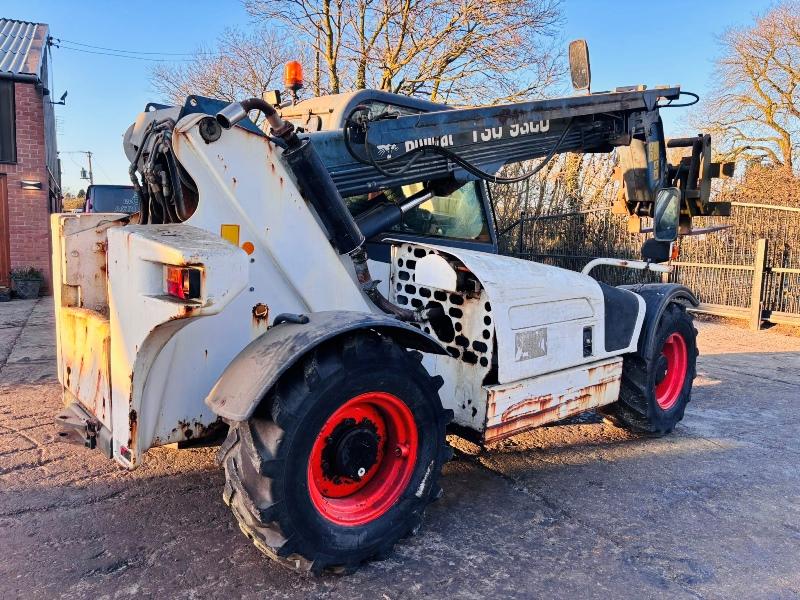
x,y
8,133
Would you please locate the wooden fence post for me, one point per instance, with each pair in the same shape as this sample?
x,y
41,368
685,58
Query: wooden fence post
x,y
756,297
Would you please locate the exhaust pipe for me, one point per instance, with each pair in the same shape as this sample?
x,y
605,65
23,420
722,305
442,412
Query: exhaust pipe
x,y
238,111
370,288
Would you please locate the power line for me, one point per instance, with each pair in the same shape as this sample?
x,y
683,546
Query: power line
x,y
82,47
102,170
89,155
60,47
123,51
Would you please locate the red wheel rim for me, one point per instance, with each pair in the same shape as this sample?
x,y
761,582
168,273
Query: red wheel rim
x,y
362,459
668,390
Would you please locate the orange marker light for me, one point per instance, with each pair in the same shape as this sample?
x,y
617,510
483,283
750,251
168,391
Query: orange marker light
x,y
675,251
293,75
248,247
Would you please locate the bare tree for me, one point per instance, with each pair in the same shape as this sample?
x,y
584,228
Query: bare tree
x,y
756,107
243,64
467,51
763,184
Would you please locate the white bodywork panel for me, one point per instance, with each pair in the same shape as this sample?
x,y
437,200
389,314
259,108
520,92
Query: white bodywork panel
x,y
143,363
165,359
528,318
539,313
80,294
144,321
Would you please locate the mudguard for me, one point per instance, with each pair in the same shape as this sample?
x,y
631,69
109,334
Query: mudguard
x,y
250,375
657,297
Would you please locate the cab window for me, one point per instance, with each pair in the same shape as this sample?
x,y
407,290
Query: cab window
x,y
458,215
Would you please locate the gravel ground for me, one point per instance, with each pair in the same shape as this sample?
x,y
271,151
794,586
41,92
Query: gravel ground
x,y
580,510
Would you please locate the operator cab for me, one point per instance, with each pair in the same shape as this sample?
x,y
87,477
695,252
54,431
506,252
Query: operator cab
x,y
458,218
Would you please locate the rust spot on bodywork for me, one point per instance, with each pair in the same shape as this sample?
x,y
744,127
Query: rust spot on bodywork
x,y
133,425
538,410
98,393
186,311
530,405
260,314
188,431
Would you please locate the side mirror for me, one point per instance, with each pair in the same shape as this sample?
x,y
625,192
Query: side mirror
x,y
666,216
579,69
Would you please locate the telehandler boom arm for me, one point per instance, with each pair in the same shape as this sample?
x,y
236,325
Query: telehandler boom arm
x,y
387,148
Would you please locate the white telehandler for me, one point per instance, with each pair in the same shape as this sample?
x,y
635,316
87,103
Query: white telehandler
x,y
326,288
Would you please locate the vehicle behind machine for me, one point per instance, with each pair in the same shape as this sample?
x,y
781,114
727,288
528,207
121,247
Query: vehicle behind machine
x,y
111,199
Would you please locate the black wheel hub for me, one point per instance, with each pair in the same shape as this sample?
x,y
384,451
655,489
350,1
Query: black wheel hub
x,y
351,450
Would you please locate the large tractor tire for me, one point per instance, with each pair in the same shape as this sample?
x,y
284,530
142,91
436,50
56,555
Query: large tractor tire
x,y
341,459
656,388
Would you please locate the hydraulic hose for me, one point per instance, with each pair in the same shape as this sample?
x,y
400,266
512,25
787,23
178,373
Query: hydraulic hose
x,y
411,157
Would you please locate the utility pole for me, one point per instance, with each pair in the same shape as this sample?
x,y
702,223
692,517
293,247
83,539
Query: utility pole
x,y
91,173
90,177
84,174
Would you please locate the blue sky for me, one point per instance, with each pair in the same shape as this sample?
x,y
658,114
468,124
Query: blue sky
x,y
630,42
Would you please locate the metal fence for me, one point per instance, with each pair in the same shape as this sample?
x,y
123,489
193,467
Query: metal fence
x,y
751,270
570,240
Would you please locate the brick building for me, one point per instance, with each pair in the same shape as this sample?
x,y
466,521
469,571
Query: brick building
x,y
30,179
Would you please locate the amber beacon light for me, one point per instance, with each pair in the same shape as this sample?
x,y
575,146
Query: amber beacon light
x,y
293,75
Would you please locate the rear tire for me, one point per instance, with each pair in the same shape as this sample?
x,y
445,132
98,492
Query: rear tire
x,y
341,459
655,389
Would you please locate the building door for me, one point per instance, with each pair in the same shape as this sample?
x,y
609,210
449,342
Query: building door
x,y
5,233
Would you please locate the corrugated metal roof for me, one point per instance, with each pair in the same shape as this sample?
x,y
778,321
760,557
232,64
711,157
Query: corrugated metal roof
x,y
22,46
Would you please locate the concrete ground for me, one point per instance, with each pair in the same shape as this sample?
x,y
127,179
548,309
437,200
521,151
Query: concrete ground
x,y
573,511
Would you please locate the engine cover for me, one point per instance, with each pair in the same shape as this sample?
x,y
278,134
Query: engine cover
x,y
506,320
536,313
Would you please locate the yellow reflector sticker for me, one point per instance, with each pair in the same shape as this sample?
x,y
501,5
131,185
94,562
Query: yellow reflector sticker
x,y
230,233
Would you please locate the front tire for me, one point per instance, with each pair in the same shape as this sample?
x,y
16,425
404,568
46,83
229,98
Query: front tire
x,y
656,388
342,457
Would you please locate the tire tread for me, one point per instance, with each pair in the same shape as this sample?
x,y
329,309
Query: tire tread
x,y
635,408
257,443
